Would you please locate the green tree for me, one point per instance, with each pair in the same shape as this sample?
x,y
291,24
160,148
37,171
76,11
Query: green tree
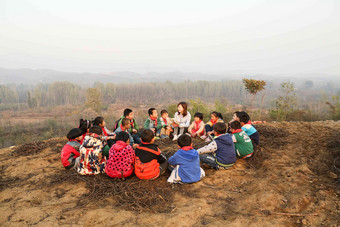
x,y
285,104
94,99
253,87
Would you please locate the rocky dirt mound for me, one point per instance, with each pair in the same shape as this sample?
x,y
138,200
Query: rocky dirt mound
x,y
292,180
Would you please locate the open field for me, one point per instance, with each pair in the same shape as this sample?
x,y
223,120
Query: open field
x,y
292,181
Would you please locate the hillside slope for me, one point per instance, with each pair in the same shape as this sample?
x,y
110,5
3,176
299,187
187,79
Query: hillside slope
x,y
292,181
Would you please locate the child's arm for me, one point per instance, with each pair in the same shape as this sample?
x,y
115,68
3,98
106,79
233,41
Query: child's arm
x,y
161,158
201,129
210,148
135,125
173,160
147,123
160,125
191,127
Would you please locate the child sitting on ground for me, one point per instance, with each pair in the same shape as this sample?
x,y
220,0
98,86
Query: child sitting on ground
x,y
133,130
197,126
92,160
121,157
215,117
70,152
242,142
107,134
124,127
153,122
186,162
220,153
181,120
166,122
150,162
248,128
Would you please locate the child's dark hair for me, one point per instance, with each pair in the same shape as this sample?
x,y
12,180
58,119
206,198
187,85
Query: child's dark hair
x,y
220,128
184,140
74,133
163,112
98,120
150,111
127,112
84,125
217,114
147,135
96,129
122,136
243,116
199,115
235,125
125,121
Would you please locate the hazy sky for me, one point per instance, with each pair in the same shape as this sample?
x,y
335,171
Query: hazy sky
x,y
244,36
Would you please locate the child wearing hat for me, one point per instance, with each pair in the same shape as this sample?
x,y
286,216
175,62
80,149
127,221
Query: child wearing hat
x,y
70,152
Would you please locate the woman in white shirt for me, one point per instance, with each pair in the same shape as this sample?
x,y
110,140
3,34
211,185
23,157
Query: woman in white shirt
x,y
181,120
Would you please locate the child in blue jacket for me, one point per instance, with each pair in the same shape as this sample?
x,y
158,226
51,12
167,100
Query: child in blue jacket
x,y
220,153
186,163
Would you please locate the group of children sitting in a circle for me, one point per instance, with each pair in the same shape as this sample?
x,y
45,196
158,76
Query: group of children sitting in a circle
x,y
93,149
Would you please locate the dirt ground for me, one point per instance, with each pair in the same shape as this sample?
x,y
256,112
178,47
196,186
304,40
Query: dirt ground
x,y
291,181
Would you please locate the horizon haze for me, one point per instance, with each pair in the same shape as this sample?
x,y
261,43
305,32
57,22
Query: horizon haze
x,y
219,37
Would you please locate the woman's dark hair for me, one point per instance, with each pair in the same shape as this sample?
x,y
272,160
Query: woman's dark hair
x,y
127,112
217,114
122,136
96,129
185,107
199,115
98,120
84,125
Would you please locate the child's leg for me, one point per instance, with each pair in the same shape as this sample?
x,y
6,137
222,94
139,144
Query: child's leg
x,y
158,132
76,163
175,131
162,167
209,159
163,132
136,138
202,173
208,128
181,131
174,177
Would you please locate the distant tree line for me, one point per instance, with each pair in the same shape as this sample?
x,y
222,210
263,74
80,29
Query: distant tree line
x,y
283,102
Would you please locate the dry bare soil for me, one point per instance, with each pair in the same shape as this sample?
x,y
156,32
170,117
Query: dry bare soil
x,y
291,181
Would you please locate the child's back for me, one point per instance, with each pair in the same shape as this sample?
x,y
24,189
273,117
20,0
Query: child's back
x,y
150,162
251,131
70,152
225,152
223,148
188,162
92,160
121,158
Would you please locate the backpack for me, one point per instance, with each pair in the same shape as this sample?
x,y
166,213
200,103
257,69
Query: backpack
x,y
116,124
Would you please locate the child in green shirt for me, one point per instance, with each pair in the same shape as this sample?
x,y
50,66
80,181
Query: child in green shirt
x,y
242,142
